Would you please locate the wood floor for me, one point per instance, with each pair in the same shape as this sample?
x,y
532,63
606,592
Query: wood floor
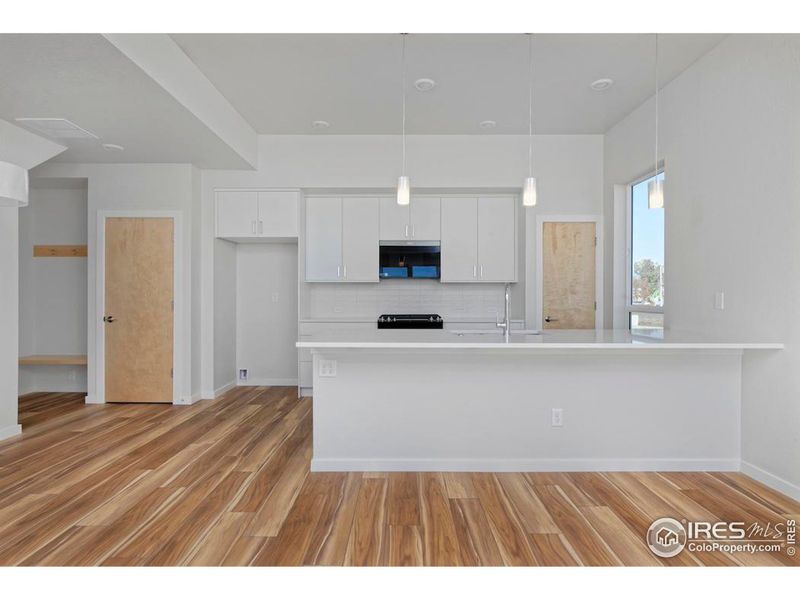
x,y
227,483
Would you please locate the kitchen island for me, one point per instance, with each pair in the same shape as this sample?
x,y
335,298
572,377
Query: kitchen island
x,y
559,401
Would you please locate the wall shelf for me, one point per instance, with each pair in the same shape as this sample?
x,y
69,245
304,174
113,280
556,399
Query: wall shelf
x,y
61,251
53,359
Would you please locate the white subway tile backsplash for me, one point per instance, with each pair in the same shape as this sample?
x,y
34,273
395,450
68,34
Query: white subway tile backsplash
x,y
452,300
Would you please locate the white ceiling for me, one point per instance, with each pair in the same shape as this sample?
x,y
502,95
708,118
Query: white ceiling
x,y
85,79
280,83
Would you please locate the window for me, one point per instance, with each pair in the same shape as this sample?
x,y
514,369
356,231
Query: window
x,y
645,289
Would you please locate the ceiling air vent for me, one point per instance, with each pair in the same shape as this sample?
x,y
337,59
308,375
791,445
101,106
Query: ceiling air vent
x,y
60,129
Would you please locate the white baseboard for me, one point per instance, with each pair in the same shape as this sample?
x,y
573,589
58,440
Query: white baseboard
x,y
214,394
10,431
93,399
268,381
770,480
526,465
306,392
186,400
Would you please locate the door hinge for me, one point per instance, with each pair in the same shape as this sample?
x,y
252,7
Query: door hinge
x,y
171,373
595,304
595,241
172,305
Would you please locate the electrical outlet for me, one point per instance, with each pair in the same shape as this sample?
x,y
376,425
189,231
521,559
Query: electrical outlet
x,y
557,417
274,296
327,368
242,374
73,376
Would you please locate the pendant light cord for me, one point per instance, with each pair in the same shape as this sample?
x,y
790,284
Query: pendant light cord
x,y
530,105
655,164
403,90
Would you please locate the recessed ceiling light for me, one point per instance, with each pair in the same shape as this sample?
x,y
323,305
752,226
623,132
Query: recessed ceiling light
x,y
601,85
488,124
424,84
320,124
113,147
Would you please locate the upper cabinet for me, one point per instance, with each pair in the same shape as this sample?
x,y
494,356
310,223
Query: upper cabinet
x,y
341,239
419,221
479,239
258,215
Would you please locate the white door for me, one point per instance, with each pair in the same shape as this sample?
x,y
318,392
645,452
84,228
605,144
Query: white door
x,y
393,220
496,239
459,239
426,218
237,214
360,239
277,213
323,239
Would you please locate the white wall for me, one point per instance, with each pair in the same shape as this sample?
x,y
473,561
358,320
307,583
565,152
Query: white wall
x,y
53,290
730,133
9,320
223,322
137,187
266,313
569,170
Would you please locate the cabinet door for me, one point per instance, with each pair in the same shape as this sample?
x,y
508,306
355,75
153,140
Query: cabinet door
x,y
277,214
237,214
323,239
497,248
393,220
459,239
426,219
360,239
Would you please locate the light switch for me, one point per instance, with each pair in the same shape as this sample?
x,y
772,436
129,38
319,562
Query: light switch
x,y
274,296
719,300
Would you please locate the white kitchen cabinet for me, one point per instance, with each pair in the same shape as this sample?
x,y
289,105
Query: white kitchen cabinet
x,y
277,213
237,214
459,259
257,215
393,220
323,238
360,251
342,239
479,239
425,218
497,239
420,220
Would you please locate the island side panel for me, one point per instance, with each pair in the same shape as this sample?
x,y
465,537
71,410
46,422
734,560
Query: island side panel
x,y
446,411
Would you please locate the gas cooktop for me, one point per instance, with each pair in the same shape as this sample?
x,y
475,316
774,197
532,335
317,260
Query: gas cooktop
x,y
426,321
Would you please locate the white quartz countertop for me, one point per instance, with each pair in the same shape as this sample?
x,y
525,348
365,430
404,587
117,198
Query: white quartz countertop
x,y
551,339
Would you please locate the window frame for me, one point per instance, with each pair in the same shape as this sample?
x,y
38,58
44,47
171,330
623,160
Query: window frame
x,y
629,306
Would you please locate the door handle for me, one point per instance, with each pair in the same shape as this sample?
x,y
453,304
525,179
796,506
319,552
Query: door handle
x,y
550,320
253,226
345,271
474,271
413,231
261,226
338,271
406,230
481,271
108,319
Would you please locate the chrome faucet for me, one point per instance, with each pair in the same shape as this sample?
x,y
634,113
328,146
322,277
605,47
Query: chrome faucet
x,y
506,323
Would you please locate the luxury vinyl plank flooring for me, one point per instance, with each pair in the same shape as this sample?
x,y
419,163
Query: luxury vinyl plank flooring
x,y
227,482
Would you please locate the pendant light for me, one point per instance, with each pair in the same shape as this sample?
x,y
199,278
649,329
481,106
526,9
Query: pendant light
x,y
529,189
655,189
13,185
403,184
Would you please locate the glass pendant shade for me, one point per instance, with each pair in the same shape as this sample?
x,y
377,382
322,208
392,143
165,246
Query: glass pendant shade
x,y
655,194
403,191
13,185
529,192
